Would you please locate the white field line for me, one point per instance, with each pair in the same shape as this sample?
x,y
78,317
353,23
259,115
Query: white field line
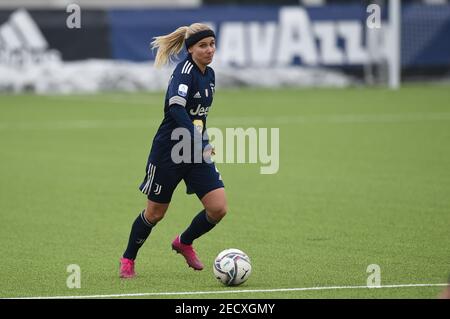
x,y
109,99
160,294
79,124
247,121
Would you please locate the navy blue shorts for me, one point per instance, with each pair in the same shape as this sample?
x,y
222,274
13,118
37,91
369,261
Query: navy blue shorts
x,y
161,179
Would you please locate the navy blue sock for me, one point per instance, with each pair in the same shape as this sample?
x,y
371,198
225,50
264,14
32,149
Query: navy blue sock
x,y
140,230
200,225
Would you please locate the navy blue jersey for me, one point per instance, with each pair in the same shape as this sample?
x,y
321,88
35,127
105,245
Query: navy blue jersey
x,y
193,90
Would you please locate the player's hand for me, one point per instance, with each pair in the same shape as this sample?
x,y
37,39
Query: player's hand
x,y
208,151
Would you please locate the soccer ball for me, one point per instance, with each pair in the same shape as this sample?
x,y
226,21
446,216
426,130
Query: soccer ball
x,y
232,267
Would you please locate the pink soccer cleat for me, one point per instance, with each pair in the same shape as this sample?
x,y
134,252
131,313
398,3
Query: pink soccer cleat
x,y
127,268
188,253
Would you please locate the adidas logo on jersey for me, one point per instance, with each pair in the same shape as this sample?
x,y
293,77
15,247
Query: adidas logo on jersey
x,y
22,42
197,95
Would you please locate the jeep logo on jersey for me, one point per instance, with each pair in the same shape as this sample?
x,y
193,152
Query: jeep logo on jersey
x,y
200,111
22,42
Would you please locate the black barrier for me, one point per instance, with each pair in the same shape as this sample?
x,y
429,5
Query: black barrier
x,y
91,40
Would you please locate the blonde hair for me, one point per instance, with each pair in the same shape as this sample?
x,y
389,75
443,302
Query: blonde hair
x,y
171,44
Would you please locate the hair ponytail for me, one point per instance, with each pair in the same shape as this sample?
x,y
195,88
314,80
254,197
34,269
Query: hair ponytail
x,y
171,44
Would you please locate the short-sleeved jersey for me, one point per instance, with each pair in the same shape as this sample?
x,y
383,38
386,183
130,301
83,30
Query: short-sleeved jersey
x,y
193,90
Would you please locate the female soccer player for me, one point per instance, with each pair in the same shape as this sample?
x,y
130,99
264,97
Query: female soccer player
x,y
188,99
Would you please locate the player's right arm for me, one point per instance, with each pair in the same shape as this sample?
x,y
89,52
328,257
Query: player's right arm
x,y
179,90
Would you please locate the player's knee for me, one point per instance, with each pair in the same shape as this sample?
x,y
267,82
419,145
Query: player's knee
x,y
155,213
217,213
222,212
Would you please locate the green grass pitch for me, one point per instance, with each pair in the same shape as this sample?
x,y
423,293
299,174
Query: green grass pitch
x,y
364,178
